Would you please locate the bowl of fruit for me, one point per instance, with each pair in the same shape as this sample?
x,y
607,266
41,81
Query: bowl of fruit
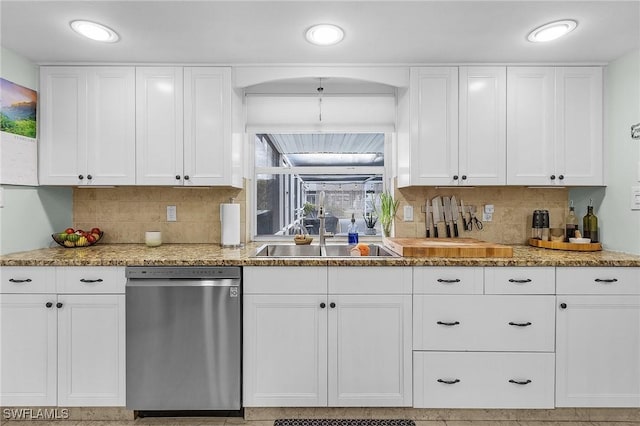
x,y
78,238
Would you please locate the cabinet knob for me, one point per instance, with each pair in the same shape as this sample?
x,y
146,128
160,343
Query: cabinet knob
x,y
552,177
323,305
455,177
186,177
58,305
563,306
464,177
449,382
18,281
177,177
89,177
519,382
332,305
80,177
561,177
48,304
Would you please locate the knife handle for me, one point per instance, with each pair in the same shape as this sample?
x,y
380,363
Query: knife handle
x,y
428,232
455,230
435,230
448,229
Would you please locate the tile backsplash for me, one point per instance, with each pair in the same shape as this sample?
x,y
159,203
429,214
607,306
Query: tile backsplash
x,y
125,213
513,206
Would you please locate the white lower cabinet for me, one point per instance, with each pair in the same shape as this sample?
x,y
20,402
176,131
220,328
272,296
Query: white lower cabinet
x,y
321,348
598,337
483,380
62,349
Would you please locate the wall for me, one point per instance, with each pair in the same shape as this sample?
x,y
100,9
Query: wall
x,y
619,225
30,214
513,206
125,213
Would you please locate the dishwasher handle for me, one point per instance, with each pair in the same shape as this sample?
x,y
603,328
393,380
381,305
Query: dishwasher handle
x,y
132,282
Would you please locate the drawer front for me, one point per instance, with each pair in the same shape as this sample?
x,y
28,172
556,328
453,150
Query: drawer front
x,y
598,280
27,279
284,279
370,280
483,380
447,280
91,279
520,280
484,323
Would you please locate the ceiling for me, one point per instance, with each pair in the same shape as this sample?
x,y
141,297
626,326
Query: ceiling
x,y
271,32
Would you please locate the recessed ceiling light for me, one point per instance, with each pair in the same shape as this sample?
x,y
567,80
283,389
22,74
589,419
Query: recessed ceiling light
x,y
94,31
552,30
324,34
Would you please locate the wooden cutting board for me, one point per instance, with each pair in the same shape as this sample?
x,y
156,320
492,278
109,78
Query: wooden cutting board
x,y
446,247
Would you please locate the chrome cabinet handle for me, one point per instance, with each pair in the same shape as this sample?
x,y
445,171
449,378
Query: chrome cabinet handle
x,y
84,280
441,280
520,324
18,281
515,281
449,382
448,323
526,382
606,280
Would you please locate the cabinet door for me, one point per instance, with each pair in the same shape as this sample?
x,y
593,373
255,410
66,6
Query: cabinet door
x,y
482,156
28,349
579,136
91,352
530,125
111,117
63,126
598,351
159,138
434,128
285,351
370,350
207,126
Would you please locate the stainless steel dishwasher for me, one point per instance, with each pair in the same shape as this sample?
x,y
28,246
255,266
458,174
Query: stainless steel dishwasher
x,y
183,338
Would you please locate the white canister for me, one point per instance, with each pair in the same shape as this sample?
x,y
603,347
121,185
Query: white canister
x,y
153,238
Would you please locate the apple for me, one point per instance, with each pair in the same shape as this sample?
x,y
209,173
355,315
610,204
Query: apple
x,y
69,230
95,231
91,238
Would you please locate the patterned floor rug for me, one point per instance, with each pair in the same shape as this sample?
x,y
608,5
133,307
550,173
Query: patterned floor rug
x,y
343,422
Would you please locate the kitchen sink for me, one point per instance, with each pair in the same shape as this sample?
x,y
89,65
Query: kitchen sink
x,y
283,250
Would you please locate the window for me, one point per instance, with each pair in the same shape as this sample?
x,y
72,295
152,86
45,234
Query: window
x,y
292,169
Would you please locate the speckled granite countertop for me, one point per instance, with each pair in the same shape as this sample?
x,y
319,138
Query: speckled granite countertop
x,y
214,255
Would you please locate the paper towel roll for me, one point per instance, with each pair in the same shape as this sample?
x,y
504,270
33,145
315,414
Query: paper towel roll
x,y
230,224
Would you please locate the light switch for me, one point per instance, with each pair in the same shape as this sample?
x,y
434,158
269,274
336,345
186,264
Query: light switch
x,y
635,198
408,213
171,214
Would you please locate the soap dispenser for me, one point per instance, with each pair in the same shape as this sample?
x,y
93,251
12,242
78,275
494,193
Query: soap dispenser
x,y
353,230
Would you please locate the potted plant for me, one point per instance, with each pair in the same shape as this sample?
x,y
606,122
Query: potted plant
x,y
370,220
388,208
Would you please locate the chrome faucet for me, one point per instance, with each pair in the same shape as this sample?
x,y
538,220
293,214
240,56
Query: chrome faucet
x,y
321,216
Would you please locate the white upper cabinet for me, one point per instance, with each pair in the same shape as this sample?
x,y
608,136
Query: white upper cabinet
x,y
482,142
159,136
554,126
184,127
433,140
87,134
457,127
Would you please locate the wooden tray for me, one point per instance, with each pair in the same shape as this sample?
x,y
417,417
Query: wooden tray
x,y
559,245
446,247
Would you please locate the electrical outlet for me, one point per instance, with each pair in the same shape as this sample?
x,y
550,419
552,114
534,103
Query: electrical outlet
x,y
487,217
172,215
408,213
488,208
